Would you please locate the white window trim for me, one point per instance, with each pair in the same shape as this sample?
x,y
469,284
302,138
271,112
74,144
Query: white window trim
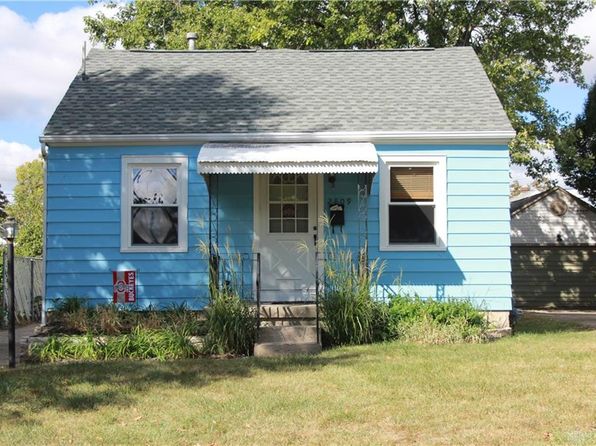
x,y
166,161
398,159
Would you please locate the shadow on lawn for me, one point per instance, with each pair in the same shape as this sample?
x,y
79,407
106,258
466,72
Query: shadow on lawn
x,y
88,386
531,323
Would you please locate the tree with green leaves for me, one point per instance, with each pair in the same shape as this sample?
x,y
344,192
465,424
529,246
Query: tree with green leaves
x,y
3,204
27,209
576,150
523,45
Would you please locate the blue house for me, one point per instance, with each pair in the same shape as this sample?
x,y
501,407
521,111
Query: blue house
x,y
152,154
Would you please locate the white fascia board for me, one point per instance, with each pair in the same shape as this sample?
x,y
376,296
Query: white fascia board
x,y
443,137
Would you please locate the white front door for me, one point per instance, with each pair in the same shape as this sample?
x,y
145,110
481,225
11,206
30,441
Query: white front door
x,y
285,225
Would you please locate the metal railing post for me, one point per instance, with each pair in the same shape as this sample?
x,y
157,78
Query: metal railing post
x,y
317,285
31,290
258,289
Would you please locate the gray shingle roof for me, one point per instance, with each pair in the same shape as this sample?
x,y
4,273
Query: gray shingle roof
x,y
162,92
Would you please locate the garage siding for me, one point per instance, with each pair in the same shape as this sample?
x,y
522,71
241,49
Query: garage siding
x,y
554,277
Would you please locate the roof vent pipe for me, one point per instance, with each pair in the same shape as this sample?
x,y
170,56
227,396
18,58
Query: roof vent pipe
x,y
191,38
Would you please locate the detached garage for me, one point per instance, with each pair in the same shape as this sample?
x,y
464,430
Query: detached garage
x,y
553,251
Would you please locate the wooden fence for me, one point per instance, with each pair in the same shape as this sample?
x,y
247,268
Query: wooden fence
x,y
28,280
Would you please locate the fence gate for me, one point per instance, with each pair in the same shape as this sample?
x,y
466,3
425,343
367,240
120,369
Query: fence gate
x,y
28,290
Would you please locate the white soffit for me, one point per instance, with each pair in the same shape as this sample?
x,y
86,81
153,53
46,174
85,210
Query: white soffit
x,y
288,158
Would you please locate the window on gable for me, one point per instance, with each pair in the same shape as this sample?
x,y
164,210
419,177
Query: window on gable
x,y
154,204
412,200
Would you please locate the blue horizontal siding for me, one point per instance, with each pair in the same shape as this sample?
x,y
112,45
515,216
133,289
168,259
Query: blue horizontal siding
x,y
102,293
477,163
83,228
100,265
144,278
476,264
478,176
86,254
483,189
475,227
477,215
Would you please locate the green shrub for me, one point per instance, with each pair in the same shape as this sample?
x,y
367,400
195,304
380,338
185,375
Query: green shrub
x,y
74,316
81,348
435,321
349,312
231,324
146,344
381,322
430,331
183,320
139,344
70,304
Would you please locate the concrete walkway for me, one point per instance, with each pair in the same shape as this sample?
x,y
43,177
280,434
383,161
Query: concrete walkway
x,y
583,318
22,333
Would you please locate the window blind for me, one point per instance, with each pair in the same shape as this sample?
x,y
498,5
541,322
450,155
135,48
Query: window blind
x,y
411,184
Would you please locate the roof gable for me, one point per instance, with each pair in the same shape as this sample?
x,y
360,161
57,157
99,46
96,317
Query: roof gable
x,y
517,206
553,218
181,92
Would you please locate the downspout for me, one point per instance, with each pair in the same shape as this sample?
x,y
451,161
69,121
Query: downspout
x,y
44,155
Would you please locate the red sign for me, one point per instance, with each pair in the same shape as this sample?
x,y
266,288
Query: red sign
x,y
125,286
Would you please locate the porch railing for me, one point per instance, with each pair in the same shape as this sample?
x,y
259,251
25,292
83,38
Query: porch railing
x,y
242,271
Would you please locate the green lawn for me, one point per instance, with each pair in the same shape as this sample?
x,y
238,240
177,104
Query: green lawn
x,y
537,387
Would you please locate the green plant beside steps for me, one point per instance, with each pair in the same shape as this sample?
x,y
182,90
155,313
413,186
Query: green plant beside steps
x,y
435,321
231,324
164,344
349,312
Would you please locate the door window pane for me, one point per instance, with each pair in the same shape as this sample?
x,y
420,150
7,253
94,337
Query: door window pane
x,y
301,225
274,210
275,225
274,193
288,203
289,225
289,193
302,193
302,210
289,210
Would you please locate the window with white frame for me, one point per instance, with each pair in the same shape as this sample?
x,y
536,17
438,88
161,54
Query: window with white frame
x,y
412,202
154,204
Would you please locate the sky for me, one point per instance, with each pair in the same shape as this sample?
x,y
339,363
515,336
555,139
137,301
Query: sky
x,y
40,52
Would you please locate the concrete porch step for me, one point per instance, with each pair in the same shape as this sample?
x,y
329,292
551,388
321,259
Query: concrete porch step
x,y
292,334
268,349
287,329
288,311
286,322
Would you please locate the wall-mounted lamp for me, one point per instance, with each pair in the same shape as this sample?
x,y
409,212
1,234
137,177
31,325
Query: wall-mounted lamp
x,y
331,179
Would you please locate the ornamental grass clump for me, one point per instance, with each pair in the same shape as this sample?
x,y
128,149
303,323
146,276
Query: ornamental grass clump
x,y
231,322
231,325
350,313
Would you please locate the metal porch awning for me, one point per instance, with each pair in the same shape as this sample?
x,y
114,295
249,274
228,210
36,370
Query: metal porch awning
x,y
288,158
